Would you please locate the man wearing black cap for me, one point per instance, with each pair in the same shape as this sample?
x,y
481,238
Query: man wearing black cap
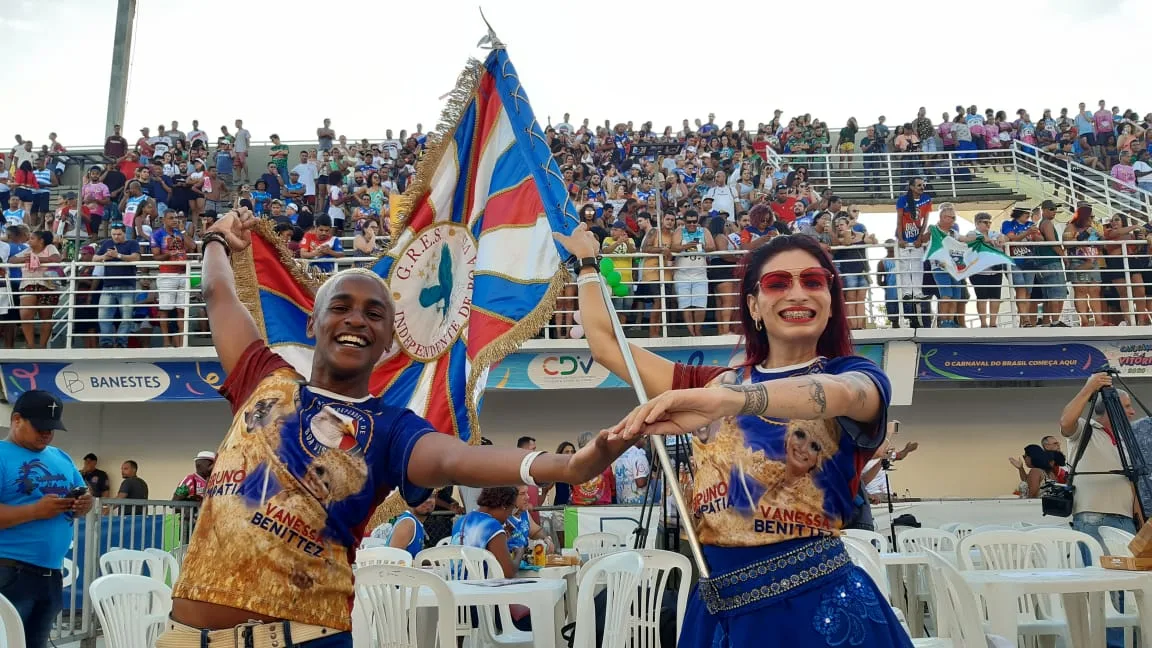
x,y
40,494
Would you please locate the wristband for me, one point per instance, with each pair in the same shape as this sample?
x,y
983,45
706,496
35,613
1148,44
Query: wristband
x,y
591,277
216,237
526,467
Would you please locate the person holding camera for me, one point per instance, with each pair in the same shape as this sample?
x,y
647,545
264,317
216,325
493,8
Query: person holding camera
x,y
41,493
1100,499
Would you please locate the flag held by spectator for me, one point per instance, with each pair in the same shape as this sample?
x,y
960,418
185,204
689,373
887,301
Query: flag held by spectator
x,y
961,260
472,268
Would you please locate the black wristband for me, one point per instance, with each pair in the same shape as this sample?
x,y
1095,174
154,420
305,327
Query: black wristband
x,y
587,262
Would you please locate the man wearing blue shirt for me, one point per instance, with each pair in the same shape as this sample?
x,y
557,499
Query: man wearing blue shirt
x,y
41,492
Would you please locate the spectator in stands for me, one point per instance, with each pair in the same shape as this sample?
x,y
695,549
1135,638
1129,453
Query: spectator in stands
x,y
1084,268
1019,228
39,510
25,185
1049,262
115,146
131,485
690,244
40,292
15,243
1142,169
853,267
722,273
15,214
171,244
97,480
912,211
119,255
988,284
1126,265
240,143
320,244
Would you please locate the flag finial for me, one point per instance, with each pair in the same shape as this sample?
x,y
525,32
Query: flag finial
x,y
491,40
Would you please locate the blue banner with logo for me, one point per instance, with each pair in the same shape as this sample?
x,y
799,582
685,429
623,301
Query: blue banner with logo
x,y
110,381
1067,361
575,369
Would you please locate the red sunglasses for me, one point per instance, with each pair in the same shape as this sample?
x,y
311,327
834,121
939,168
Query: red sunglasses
x,y
814,279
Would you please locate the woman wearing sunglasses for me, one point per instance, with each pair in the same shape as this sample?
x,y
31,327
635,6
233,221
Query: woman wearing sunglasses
x,y
778,444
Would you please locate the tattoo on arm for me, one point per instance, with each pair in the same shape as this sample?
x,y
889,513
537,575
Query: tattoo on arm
x,y
860,386
819,398
755,398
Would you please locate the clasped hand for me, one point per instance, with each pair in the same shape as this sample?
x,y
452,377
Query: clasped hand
x,y
678,411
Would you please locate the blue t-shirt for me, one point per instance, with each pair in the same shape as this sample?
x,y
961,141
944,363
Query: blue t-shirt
x,y
329,266
118,274
760,481
521,529
476,529
16,272
273,182
417,544
1010,227
14,216
26,477
224,163
298,476
260,200
295,186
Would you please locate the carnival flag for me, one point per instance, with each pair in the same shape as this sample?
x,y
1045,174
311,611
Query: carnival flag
x,y
962,260
473,268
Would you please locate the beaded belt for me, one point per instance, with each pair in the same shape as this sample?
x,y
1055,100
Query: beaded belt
x,y
778,575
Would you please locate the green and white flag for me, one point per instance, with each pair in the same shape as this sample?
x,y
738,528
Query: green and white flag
x,y
962,260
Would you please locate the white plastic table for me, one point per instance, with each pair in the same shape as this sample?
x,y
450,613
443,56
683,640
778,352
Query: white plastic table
x,y
1077,587
543,597
567,573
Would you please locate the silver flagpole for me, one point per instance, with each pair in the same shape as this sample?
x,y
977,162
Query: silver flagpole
x,y
671,477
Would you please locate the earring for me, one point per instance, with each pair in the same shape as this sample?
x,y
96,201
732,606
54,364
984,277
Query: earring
x,y
759,325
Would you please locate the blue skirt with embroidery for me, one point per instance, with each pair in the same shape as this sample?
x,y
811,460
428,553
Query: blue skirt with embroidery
x,y
797,593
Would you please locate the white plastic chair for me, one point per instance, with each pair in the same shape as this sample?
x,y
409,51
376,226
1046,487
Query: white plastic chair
x,y
11,624
621,572
386,602
170,568
1116,541
179,552
1012,549
658,567
456,562
382,556
369,542
1062,551
865,556
916,540
444,542
958,617
131,561
595,545
132,609
878,540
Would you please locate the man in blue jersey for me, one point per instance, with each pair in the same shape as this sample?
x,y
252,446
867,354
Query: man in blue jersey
x,y
41,492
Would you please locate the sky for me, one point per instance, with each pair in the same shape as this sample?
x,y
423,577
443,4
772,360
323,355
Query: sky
x,y
283,66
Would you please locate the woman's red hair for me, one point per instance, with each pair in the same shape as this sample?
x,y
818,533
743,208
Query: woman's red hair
x,y
835,341
1083,217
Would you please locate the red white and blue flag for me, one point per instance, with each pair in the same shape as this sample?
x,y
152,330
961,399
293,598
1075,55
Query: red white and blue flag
x,y
473,268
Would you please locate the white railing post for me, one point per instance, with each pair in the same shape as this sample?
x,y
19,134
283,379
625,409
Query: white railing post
x,y
888,164
1133,318
952,173
1015,166
69,300
663,298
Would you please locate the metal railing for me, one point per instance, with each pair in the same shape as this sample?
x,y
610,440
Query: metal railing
x,y
114,524
1074,182
683,295
886,175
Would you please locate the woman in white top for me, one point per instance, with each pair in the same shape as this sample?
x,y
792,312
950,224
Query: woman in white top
x,y
39,295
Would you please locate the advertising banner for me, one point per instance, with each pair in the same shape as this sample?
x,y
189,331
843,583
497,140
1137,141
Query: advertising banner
x,y
1057,361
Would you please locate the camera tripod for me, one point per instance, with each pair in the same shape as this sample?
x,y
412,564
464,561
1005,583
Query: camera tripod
x,y
1133,465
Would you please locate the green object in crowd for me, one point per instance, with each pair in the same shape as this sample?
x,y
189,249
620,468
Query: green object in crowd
x,y
613,278
606,265
620,290
195,280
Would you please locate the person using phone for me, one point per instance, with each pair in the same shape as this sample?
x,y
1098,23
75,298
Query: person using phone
x,y
41,493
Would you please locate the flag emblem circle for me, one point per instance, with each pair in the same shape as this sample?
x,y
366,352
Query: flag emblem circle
x,y
433,276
